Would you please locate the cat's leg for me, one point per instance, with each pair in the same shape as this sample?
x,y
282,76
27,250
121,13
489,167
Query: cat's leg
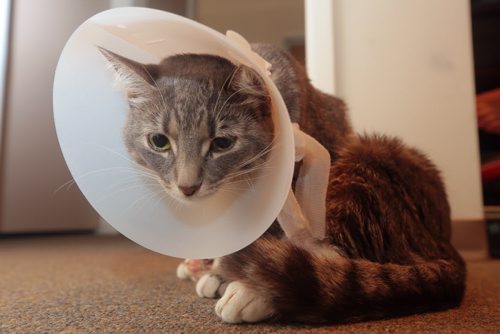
x,y
257,270
211,284
208,283
204,272
183,272
193,269
241,303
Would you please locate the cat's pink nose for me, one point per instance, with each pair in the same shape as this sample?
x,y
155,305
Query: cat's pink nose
x,y
189,190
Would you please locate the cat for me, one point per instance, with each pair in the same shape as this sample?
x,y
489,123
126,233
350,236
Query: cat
x,y
387,250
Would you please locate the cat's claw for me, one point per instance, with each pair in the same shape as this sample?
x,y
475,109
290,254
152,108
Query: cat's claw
x,y
241,304
208,286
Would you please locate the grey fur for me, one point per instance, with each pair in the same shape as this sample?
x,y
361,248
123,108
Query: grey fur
x,y
193,99
321,115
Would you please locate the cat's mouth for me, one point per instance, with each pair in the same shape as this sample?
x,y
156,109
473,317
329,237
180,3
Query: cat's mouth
x,y
187,195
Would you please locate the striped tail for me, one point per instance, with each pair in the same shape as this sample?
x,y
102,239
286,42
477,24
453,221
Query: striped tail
x,y
321,286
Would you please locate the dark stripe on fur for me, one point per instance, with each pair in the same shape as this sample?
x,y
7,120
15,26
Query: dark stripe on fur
x,y
306,287
395,260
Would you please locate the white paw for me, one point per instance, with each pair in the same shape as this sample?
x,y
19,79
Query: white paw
x,y
208,286
241,304
222,288
183,272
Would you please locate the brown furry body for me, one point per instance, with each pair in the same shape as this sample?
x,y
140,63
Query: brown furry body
x,y
387,249
387,217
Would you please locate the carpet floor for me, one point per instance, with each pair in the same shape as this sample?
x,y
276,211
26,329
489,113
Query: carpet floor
x,y
87,284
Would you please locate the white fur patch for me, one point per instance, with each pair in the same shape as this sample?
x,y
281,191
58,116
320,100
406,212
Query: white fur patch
x,y
183,272
208,286
242,304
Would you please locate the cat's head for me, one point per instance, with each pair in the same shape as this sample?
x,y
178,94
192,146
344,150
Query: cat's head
x,y
197,121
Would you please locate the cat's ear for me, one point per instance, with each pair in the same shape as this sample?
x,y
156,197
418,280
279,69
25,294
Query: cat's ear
x,y
137,79
250,89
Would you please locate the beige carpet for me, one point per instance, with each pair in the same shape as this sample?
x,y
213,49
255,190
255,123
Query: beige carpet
x,y
85,284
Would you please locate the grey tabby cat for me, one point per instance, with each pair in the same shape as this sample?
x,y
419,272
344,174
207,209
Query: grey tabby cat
x,y
199,121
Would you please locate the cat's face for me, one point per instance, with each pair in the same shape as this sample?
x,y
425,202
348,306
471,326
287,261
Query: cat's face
x,y
196,121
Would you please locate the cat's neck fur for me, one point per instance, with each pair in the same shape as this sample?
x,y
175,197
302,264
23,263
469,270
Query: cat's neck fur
x,y
319,114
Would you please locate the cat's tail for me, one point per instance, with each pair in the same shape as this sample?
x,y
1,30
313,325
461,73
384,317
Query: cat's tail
x,y
321,286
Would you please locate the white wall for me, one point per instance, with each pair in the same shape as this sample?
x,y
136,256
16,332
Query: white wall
x,y
405,68
320,44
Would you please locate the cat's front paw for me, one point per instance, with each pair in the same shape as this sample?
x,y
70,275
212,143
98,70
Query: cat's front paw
x,y
183,272
242,304
210,286
193,269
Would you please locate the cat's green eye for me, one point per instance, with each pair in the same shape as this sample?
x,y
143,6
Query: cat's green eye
x,y
221,144
159,142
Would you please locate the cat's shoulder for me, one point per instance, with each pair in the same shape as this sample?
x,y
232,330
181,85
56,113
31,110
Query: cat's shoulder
x,y
289,76
282,62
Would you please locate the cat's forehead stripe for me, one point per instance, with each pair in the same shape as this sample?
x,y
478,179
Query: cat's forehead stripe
x,y
170,125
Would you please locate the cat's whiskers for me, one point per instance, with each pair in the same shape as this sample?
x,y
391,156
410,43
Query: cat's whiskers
x,y
130,182
218,112
68,184
260,154
174,203
139,169
231,191
156,85
125,187
242,181
152,199
232,186
108,149
257,167
230,76
126,183
251,184
237,181
238,176
164,197
143,199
